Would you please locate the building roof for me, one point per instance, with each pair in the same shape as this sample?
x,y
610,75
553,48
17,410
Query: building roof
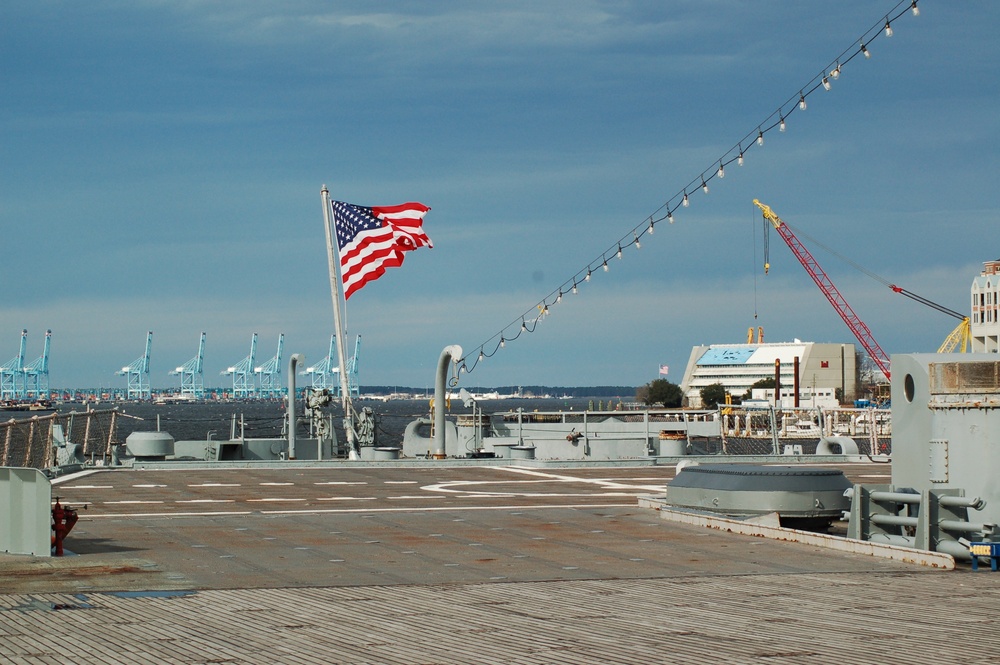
x,y
751,354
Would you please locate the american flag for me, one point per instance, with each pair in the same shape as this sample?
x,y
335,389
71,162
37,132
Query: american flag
x,y
664,370
373,239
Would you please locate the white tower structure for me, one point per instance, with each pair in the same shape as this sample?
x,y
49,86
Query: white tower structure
x,y
985,324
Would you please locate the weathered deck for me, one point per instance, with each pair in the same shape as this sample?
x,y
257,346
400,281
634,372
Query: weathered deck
x,y
458,565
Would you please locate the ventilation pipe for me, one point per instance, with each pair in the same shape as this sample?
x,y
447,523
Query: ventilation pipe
x,y
448,355
292,362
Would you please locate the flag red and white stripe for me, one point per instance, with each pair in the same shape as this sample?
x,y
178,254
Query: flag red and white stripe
x,y
373,239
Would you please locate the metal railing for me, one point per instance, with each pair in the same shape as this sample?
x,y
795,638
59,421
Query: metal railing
x,y
33,442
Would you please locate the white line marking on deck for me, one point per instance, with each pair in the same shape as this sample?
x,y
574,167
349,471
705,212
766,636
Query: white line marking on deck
x,y
275,484
606,484
115,502
216,485
346,498
341,482
169,515
205,501
422,496
322,511
91,487
74,476
271,499
442,509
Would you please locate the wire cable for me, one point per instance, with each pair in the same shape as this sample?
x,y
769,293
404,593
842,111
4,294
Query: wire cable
x,y
753,139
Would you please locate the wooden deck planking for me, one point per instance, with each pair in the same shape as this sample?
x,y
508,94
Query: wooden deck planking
x,y
620,590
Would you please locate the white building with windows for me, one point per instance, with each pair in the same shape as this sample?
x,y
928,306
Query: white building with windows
x,y
822,367
984,324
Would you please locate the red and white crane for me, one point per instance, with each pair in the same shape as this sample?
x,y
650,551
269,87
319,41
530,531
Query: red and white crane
x,y
823,281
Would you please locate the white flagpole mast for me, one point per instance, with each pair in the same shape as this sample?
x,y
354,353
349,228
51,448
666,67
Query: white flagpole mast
x,y
338,322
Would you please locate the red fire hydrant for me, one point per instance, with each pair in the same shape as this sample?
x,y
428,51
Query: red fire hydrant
x,y
63,519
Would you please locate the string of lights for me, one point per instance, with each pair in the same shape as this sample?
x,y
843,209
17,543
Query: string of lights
x,y
528,321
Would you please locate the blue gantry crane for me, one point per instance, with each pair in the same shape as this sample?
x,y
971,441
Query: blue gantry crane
x,y
192,374
324,374
353,384
137,383
242,372
12,373
36,373
269,374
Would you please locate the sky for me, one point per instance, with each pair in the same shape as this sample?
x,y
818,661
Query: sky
x,y
162,163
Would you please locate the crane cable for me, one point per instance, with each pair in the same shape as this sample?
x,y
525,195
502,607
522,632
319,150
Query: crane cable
x,y
753,227
898,289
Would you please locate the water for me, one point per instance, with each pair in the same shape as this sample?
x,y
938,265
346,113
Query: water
x,y
264,419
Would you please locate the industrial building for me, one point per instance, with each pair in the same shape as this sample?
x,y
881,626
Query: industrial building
x,y
738,366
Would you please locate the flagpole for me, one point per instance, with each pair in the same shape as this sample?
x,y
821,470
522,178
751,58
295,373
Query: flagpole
x,y
338,323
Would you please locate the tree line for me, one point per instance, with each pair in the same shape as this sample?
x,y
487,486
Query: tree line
x,y
670,396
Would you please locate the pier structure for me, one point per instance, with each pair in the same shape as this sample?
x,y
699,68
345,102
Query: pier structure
x,y
269,374
36,373
192,373
12,373
137,373
244,385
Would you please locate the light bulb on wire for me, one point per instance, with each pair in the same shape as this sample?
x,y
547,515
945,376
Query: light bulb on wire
x,y
826,83
835,72
914,8
650,230
760,137
635,240
618,253
722,171
781,125
864,49
684,201
587,278
575,289
802,102
605,266
704,185
888,27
